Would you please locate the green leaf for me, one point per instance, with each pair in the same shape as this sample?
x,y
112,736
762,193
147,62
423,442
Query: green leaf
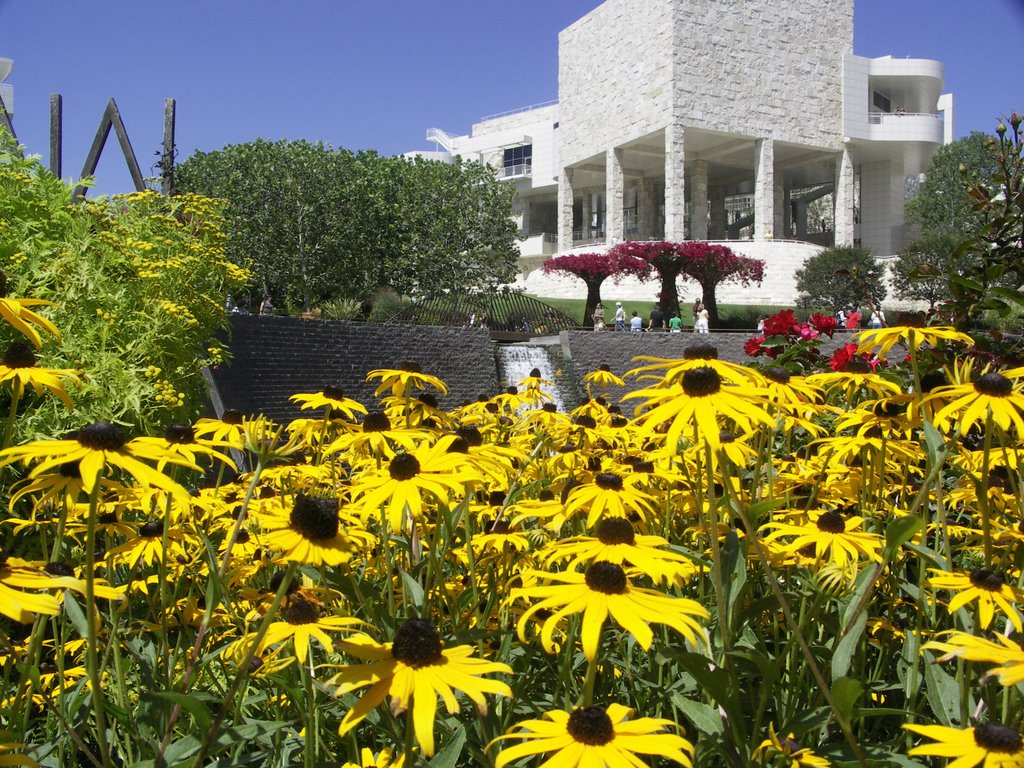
x,y
413,590
76,614
449,755
898,532
942,691
851,633
191,704
845,692
705,719
734,572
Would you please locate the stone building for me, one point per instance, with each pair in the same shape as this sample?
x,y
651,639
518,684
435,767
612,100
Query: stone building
x,y
723,120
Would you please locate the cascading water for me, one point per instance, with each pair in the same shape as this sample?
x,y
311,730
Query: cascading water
x,y
515,361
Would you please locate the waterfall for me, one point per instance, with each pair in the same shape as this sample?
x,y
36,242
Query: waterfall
x,y
515,361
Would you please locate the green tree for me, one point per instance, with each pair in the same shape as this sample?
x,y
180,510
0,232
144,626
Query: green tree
x,y
841,276
317,223
943,204
922,269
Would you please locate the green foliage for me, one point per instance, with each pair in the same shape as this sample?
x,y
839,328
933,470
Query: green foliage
x,y
341,309
138,286
318,223
840,276
923,267
996,275
943,204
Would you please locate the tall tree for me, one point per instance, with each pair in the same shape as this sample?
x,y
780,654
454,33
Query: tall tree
x,y
317,223
593,269
841,276
923,267
943,204
664,258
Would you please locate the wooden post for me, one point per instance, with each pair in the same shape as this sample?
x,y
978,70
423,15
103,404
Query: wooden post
x,y
56,128
167,159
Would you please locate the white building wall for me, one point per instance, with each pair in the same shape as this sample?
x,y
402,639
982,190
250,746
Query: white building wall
x,y
763,68
615,69
882,200
488,139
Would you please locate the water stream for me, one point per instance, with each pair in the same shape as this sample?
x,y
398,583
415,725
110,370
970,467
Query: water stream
x,y
515,361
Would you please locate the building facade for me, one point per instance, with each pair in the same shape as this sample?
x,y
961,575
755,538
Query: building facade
x,y
722,120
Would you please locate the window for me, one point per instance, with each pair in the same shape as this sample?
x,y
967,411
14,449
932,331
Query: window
x,y
518,161
881,102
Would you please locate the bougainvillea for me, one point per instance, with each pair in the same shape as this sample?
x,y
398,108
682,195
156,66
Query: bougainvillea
x,y
594,268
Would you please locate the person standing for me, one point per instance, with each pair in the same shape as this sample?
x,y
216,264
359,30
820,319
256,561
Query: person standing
x,y
675,323
853,319
620,317
657,321
877,316
702,323
598,317
636,323
266,306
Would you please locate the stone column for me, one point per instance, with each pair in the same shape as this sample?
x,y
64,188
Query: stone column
x,y
699,201
779,204
613,196
675,183
764,189
646,207
801,219
588,211
787,213
843,214
565,198
719,229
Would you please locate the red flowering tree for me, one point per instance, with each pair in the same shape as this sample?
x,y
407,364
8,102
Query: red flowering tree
x,y
711,265
665,259
593,269
706,264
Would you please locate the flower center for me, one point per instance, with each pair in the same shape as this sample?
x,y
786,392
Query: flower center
x,y
19,355
376,422
404,466
417,644
152,529
608,481
333,393
993,737
301,612
615,530
102,436
857,364
231,416
993,385
69,470
471,435
409,367
832,522
777,374
590,726
315,519
586,420
701,382
607,578
57,568
701,351
987,580
180,434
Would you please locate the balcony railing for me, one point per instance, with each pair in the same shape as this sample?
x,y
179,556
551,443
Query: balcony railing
x,y
512,171
877,118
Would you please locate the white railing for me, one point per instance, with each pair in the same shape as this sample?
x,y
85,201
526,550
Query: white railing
x,y
517,111
509,171
440,137
877,118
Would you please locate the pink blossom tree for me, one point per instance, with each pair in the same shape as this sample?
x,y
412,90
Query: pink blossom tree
x,y
593,269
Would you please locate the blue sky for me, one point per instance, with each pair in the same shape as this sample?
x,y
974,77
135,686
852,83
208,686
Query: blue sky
x,y
376,75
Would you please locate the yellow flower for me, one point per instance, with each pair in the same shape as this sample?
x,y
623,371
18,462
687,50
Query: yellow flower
x,y
1005,652
881,340
990,394
789,749
18,367
301,623
17,313
414,670
595,737
831,535
402,381
332,398
313,532
608,496
990,744
988,588
602,591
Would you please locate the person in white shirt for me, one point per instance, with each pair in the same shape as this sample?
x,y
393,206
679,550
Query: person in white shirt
x,y
620,317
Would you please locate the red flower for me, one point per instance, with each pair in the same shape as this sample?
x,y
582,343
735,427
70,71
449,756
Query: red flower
x,y
782,323
753,346
842,356
824,323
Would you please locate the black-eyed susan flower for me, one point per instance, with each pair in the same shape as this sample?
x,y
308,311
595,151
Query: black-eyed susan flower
x,y
614,540
226,430
405,380
313,532
332,399
602,378
608,495
414,670
301,622
384,759
377,437
431,471
24,320
833,536
988,588
25,590
595,737
991,394
694,407
880,341
148,547
181,440
991,745
1006,653
603,591
97,447
699,355
18,369
787,751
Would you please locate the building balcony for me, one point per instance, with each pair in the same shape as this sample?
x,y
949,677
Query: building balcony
x,y
523,171
905,126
